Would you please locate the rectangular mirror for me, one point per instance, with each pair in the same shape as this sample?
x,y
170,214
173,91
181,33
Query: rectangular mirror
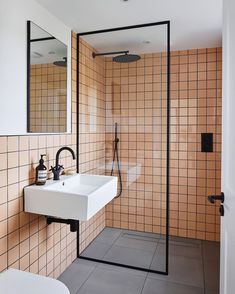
x,y
47,99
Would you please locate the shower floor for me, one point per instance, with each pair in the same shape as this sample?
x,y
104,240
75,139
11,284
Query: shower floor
x,y
193,265
139,249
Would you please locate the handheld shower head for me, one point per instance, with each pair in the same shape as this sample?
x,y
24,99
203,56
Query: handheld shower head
x,y
116,157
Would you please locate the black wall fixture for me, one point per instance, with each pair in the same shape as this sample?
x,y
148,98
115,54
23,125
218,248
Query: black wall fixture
x,y
207,142
162,23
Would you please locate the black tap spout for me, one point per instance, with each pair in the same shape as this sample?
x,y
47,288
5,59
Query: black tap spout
x,y
60,150
57,169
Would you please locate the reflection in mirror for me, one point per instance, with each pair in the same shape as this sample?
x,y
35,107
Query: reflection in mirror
x,y
47,82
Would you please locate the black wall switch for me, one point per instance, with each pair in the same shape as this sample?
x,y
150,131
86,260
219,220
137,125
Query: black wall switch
x,y
207,142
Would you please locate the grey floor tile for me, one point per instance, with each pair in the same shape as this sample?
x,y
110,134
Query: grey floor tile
x,y
159,261
76,274
212,291
154,286
138,243
187,271
86,262
185,251
211,251
189,250
106,281
183,240
212,274
129,256
191,264
96,250
108,235
123,269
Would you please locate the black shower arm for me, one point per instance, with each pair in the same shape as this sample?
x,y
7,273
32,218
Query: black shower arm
x,y
109,53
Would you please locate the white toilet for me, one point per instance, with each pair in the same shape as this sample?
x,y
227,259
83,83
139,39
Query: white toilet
x,y
14,281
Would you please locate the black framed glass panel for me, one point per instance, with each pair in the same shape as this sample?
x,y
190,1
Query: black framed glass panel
x,y
132,68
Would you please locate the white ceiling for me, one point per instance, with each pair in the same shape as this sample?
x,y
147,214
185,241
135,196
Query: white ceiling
x,y
194,23
131,40
47,51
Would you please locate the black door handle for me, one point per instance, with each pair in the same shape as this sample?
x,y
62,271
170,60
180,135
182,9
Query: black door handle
x,y
213,198
221,210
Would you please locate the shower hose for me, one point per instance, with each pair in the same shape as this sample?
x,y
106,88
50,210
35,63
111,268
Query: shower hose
x,y
116,157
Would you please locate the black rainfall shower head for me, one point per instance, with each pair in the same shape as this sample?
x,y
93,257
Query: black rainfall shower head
x,y
62,63
123,57
126,58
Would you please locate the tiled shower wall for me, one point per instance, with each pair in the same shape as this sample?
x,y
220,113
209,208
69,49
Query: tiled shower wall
x,y
26,242
196,93
91,129
136,100
48,101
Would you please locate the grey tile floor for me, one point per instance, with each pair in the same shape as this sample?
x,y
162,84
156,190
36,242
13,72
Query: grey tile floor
x,y
193,265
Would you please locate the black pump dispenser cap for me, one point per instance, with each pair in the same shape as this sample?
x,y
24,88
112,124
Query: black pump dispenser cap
x,y
41,161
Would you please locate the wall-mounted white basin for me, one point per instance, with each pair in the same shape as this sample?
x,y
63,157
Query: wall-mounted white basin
x,y
77,197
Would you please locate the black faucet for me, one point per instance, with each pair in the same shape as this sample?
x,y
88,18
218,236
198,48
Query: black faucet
x,y
57,168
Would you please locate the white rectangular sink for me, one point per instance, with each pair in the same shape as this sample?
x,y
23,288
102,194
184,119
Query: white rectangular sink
x,y
77,197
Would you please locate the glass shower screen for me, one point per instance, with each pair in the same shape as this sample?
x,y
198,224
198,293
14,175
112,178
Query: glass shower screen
x,y
124,97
